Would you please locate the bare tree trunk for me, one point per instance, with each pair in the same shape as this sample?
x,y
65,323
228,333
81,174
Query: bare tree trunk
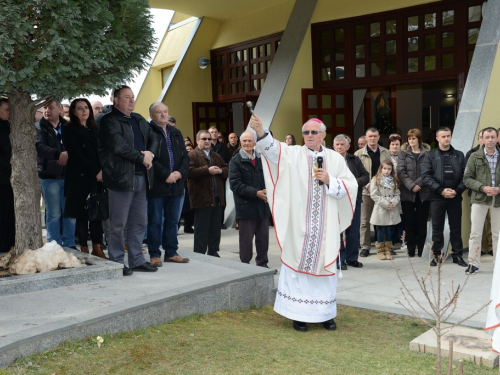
x,y
24,180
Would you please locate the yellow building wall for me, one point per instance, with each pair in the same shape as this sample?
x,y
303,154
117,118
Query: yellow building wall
x,y
168,52
192,84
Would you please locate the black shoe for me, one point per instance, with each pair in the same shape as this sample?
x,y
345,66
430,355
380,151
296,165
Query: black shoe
x,y
393,252
127,271
188,230
433,263
355,264
364,253
104,247
223,226
460,261
300,326
471,270
330,325
343,266
145,267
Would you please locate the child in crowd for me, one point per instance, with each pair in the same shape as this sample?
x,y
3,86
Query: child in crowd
x,y
387,210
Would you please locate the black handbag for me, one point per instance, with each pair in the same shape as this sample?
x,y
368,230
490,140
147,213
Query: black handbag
x,y
98,205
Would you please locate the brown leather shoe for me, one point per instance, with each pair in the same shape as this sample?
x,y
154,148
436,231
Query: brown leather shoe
x,y
156,262
97,251
176,259
84,249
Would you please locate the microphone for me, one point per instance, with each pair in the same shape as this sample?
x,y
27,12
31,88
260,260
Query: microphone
x,y
250,106
320,165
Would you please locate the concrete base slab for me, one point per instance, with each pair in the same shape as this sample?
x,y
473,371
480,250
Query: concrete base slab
x,y
97,269
37,321
468,344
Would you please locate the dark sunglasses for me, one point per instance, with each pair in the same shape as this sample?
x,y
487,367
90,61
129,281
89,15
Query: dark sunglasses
x,y
220,137
313,132
205,139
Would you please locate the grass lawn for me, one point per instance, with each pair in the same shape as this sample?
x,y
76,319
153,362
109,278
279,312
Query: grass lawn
x,y
255,341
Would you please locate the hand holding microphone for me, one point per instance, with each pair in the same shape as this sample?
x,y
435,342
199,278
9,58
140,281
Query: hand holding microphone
x,y
320,166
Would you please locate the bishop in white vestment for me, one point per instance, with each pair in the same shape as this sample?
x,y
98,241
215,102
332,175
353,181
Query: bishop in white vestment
x,y
312,195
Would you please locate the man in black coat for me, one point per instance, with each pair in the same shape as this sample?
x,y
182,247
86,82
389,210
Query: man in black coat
x,y
349,251
246,180
442,173
7,218
127,146
165,199
51,159
221,149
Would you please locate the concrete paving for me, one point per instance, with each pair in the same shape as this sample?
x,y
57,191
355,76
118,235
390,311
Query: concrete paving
x,y
33,322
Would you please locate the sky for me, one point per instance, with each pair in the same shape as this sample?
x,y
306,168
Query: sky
x,y
161,19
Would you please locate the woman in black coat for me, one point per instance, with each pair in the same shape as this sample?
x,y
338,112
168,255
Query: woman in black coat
x,y
83,172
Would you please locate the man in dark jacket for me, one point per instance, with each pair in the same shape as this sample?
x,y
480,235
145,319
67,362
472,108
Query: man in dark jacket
x,y
221,149
207,171
442,173
246,180
127,146
51,159
349,251
7,218
165,199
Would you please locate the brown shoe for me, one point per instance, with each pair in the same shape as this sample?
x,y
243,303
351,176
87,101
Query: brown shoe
x,y
156,262
176,259
97,251
126,248
84,249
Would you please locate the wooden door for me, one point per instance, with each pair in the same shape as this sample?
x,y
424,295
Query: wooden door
x,y
333,107
210,114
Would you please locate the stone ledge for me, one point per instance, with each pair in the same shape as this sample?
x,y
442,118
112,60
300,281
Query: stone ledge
x,y
468,344
100,269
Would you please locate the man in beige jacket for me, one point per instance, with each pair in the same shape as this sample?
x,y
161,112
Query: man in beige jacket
x,y
371,156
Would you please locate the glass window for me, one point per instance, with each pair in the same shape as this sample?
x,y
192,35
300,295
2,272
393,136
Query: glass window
x,y
339,35
390,67
245,86
360,51
469,57
232,58
413,23
448,17
220,75
339,101
390,47
339,53
261,50
238,55
473,34
430,42
245,70
375,49
430,20
312,101
340,120
245,55
325,74
375,69
447,60
413,44
268,49
254,53
375,29
339,72
360,70
413,64
254,85
448,39
430,62
222,127
232,73
254,69
327,120
325,55
359,32
211,112
268,65
262,80
326,101
390,27
201,112
475,13
222,113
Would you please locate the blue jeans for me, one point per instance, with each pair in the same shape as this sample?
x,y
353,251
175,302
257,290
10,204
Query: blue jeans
x,y
350,252
53,193
164,211
384,230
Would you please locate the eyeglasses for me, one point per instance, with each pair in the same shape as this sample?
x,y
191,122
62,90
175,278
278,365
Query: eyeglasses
x,y
205,139
220,137
313,132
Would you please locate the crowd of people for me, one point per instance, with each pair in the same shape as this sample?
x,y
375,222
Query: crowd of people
x,y
152,175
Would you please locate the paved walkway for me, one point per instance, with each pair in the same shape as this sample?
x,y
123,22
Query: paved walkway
x,y
376,286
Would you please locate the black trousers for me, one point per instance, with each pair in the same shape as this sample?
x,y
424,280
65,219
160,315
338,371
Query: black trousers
x,y
452,207
207,229
7,218
250,228
415,216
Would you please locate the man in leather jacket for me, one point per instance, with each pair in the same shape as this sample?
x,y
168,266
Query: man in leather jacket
x,y
442,173
127,146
